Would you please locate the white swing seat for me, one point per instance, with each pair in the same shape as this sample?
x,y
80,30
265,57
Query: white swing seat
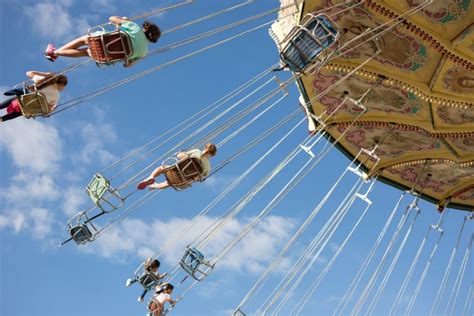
x,y
309,43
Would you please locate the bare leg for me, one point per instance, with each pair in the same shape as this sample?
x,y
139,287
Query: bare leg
x,y
73,48
160,186
158,171
151,179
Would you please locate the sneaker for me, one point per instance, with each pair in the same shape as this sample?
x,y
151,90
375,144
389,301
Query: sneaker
x,y
142,185
49,53
129,282
140,299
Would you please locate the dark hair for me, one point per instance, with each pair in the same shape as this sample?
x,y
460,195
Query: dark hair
x,y
152,31
164,287
154,264
59,79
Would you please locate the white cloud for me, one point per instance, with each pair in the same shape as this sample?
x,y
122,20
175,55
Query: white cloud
x,y
38,221
14,220
138,239
42,222
52,20
74,198
95,137
32,145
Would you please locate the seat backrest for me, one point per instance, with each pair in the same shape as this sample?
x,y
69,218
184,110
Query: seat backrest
x,y
306,41
149,280
80,234
34,104
110,47
184,172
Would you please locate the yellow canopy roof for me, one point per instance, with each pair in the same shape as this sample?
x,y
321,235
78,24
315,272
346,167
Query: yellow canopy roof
x,y
420,107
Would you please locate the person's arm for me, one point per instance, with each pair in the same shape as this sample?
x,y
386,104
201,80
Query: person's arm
x,y
182,155
117,20
52,107
33,73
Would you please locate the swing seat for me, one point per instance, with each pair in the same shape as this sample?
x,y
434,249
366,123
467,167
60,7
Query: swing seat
x,y
238,312
81,234
181,174
109,47
96,189
149,280
309,43
194,264
34,104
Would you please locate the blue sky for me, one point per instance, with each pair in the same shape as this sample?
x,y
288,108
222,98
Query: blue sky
x,y
46,164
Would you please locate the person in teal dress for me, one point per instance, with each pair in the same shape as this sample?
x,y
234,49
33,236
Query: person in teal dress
x,y
139,37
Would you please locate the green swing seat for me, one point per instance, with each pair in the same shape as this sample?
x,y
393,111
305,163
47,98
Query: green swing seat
x,y
96,190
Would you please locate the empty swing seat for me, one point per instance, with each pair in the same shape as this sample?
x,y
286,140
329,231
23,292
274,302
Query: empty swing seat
x,y
238,312
109,47
194,264
309,42
81,234
96,189
183,173
33,104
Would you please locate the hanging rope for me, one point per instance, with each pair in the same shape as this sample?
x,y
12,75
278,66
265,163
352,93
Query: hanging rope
x,y
459,278
408,276
78,100
427,265
384,282
297,267
355,282
447,272
229,188
298,307
146,14
160,10
469,299
227,124
274,264
187,124
324,239
313,251
129,210
408,211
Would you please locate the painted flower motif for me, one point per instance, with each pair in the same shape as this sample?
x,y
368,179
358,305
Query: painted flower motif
x,y
455,8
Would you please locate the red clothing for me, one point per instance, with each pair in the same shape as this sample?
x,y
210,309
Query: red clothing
x,y
14,107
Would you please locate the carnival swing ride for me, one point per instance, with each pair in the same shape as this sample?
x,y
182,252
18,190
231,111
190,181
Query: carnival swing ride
x,y
388,83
